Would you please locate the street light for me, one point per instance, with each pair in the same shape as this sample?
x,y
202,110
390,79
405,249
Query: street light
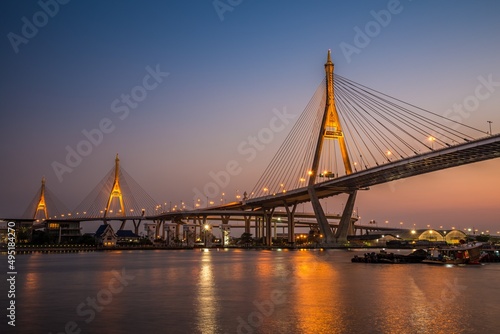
x,y
432,140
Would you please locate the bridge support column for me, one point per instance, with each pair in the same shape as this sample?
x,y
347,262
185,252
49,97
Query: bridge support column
x,y
290,214
268,216
157,230
247,223
122,225
257,227
323,224
163,230
136,226
346,226
202,227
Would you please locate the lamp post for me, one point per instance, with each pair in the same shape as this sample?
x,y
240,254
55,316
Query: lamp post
x,y
432,139
489,123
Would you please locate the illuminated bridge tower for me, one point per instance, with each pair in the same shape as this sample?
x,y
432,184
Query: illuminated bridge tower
x,y
331,129
41,207
116,193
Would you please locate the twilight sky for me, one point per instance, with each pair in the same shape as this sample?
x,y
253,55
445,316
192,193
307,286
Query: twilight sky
x,y
176,86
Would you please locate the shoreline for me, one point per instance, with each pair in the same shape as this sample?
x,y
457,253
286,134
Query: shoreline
x,y
47,249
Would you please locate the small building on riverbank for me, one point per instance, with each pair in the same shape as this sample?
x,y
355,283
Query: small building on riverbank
x,y
105,236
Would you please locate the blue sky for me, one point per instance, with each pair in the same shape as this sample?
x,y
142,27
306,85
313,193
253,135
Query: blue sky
x,y
225,78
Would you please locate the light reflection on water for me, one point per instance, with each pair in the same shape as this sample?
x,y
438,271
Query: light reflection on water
x,y
248,291
208,305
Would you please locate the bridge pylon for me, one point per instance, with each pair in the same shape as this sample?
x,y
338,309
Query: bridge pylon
x,y
41,207
330,129
116,192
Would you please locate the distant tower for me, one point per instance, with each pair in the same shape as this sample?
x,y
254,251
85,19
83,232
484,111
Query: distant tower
x,y
116,192
41,208
330,126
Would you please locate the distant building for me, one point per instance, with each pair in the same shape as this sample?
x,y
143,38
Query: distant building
x,y
63,232
188,234
126,237
226,234
150,229
3,232
172,234
105,236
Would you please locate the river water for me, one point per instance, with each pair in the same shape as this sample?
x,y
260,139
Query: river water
x,y
247,291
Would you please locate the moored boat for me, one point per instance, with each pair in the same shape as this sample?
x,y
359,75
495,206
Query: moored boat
x,y
390,258
455,255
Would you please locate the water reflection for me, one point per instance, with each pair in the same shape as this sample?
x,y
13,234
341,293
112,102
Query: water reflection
x,y
32,283
317,303
254,292
207,305
436,302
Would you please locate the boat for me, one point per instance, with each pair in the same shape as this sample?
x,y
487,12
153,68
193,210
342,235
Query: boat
x,y
390,258
490,253
455,255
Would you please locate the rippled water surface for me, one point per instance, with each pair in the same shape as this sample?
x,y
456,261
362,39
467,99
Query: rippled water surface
x,y
248,291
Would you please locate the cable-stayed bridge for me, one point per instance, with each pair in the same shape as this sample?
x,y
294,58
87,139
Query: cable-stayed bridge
x,y
348,138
